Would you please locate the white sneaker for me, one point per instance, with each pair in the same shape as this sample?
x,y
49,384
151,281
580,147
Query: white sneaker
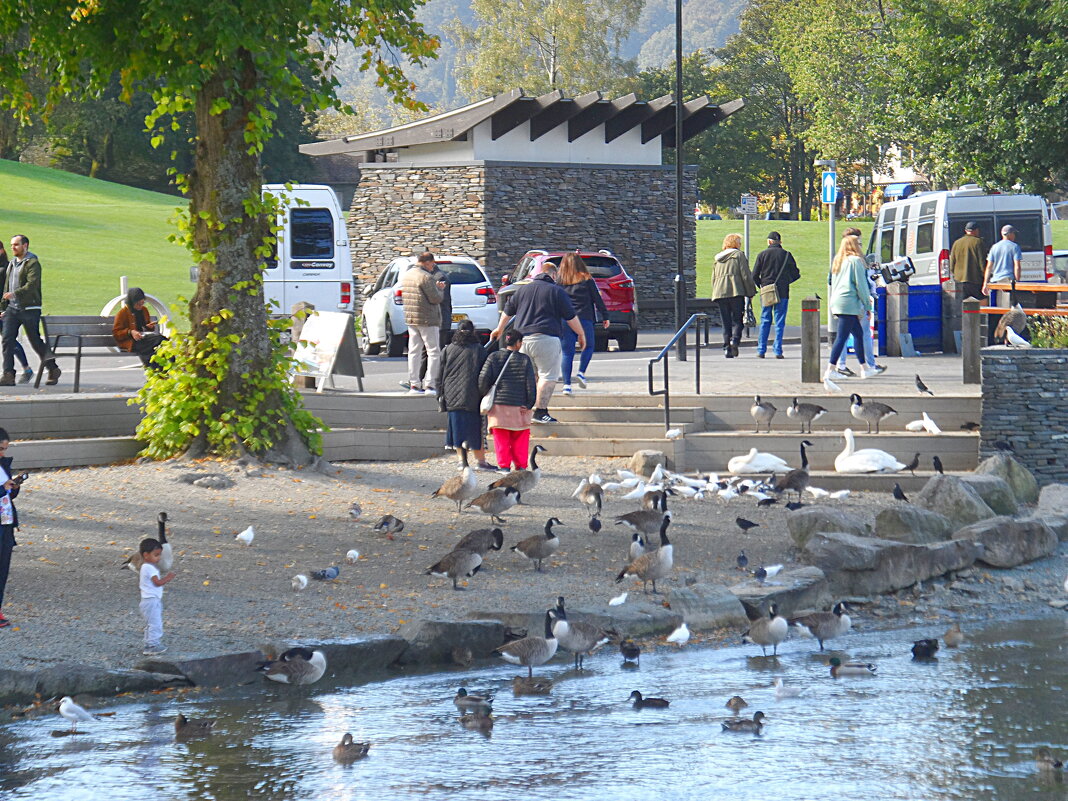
x,y
871,372
580,379
834,372
415,391
566,390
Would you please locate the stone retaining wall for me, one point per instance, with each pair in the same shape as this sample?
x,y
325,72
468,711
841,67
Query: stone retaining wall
x,y
1025,403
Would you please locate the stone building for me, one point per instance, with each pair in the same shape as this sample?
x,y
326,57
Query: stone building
x,y
513,172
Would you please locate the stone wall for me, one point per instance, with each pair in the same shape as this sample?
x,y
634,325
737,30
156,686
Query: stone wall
x,y
1025,403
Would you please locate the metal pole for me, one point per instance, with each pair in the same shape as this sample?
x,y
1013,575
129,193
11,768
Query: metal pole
x,y
680,281
746,235
833,250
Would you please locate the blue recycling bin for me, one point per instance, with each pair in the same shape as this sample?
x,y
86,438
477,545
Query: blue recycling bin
x,y
925,317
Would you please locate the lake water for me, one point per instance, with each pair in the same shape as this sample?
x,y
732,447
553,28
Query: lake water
x,y
963,727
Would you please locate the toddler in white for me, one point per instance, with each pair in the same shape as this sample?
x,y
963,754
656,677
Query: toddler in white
x,y
152,595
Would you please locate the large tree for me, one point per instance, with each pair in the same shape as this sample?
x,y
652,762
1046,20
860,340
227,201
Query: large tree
x,y
229,63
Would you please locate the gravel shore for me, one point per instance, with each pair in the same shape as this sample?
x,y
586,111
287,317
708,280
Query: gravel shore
x,y
69,601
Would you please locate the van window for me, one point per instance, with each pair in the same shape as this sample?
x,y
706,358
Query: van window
x,y
902,237
311,234
986,228
886,246
1028,227
889,214
927,208
925,237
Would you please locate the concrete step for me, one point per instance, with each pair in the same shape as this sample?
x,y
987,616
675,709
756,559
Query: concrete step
x,y
627,414
617,430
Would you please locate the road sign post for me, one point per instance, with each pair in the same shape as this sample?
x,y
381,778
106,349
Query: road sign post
x,y
749,209
829,195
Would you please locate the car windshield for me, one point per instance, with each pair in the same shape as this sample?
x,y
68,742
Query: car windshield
x,y
599,266
461,272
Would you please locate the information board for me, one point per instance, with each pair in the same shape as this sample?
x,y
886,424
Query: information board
x,y
327,347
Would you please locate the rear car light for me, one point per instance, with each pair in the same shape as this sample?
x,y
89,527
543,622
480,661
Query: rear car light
x,y
943,266
626,284
398,297
487,293
346,293
1048,251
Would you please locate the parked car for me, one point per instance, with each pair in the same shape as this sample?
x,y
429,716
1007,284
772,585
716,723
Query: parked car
x,y
1060,264
709,216
616,286
473,299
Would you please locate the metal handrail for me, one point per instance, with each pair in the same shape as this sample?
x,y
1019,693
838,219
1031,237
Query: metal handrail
x,y
661,357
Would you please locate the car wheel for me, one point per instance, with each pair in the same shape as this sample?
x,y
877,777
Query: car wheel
x,y
600,344
395,343
365,343
628,341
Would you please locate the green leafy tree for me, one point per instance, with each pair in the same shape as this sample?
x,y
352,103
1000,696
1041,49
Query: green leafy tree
x,y
229,65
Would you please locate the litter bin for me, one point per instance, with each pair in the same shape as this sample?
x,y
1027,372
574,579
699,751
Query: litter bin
x,y
924,318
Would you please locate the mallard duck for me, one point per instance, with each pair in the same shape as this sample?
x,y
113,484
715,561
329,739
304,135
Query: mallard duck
x,y
496,502
578,637
522,480
866,460
540,547
192,727
348,751
953,636
459,488
924,649
764,630
840,668
652,566
532,650
466,702
648,703
477,721
481,541
456,565
763,412
1045,762
745,725
736,704
871,412
824,625
296,666
389,525
531,685
806,413
630,651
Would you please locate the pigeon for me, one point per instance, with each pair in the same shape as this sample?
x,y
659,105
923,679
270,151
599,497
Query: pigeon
x,y
328,574
1003,445
929,425
299,582
900,494
681,635
246,536
743,561
1014,340
352,556
355,512
768,501
389,525
595,523
745,525
74,713
922,387
911,466
762,574
937,464
619,600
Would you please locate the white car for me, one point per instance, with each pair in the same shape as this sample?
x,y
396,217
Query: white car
x,y
473,299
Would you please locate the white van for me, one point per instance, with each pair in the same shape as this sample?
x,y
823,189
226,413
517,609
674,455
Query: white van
x,y
311,261
924,227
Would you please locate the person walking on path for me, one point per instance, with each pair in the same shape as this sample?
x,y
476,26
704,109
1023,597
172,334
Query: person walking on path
x,y
9,519
1003,260
134,329
850,302
514,397
151,584
20,280
967,258
776,267
589,306
732,283
422,297
865,324
458,392
541,309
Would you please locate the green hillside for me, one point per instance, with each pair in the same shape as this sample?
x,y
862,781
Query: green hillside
x,y
87,233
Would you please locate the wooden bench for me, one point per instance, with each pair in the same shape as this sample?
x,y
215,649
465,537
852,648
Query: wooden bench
x,y
76,332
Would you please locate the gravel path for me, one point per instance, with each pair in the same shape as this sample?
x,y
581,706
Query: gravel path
x,y
69,601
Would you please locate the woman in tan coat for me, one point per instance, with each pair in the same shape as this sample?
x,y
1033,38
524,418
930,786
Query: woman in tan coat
x,y
732,283
134,328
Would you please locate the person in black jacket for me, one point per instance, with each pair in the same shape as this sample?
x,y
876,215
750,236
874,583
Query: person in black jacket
x,y
513,400
774,266
579,285
457,383
9,519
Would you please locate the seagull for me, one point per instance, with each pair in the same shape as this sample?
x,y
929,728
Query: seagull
x,y
681,635
328,574
626,475
352,556
300,581
355,511
915,426
840,495
675,433
635,493
1014,340
782,691
74,713
922,387
937,464
900,494
246,536
658,474
816,492
619,600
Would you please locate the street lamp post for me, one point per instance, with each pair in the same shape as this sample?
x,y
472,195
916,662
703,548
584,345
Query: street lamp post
x,y
680,279
832,166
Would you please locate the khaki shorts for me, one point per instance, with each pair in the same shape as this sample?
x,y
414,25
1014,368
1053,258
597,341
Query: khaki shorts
x,y
545,352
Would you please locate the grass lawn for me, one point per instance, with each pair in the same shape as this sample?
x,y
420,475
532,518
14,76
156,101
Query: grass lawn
x,y
87,233
806,240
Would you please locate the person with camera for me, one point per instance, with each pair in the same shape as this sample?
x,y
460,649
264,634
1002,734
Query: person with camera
x,y
9,518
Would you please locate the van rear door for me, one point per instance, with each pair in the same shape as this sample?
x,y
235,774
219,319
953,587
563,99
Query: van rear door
x,y
310,270
1029,236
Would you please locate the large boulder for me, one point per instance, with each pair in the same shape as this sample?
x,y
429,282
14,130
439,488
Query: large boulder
x,y
1053,500
911,524
952,498
994,491
707,606
794,589
1019,478
1008,542
1058,524
868,566
433,641
644,462
803,523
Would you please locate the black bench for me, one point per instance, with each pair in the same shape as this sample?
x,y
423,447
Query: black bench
x,y
75,332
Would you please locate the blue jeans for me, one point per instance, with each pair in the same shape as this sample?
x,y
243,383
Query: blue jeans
x,y
779,311
869,345
30,321
568,345
848,325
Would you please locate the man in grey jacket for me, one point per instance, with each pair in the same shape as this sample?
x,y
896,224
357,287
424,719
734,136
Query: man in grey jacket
x,y
20,304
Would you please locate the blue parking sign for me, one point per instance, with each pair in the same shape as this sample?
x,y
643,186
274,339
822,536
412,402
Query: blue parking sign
x,y
829,185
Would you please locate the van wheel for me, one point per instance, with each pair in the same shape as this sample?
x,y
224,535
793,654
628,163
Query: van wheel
x,y
628,341
366,345
396,344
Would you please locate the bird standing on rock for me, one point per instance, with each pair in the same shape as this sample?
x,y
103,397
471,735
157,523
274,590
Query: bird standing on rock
x,y
937,465
74,713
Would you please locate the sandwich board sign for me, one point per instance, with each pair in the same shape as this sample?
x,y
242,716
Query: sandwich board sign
x,y
327,347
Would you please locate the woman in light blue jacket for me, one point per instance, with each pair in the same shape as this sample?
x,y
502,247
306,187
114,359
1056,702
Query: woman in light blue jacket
x,y
850,302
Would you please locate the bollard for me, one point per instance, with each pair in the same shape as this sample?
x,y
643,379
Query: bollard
x,y
950,315
810,341
971,341
897,316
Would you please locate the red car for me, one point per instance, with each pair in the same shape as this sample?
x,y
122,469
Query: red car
x,y
617,291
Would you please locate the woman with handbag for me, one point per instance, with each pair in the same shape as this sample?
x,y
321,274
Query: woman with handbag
x,y
457,386
509,389
579,285
850,303
732,283
773,272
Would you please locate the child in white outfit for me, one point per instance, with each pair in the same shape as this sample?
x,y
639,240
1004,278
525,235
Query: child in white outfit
x,y
152,596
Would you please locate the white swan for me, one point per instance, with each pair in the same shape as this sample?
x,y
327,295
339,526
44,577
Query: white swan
x,y
755,462
867,460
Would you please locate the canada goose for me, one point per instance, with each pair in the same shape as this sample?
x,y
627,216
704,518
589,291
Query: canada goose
x,y
473,703
796,480
1044,760
481,541
523,480
824,625
651,499
925,649
581,639
166,558
73,712
763,412
590,494
866,460
765,630
637,547
192,727
736,704
532,650
756,462
745,725
296,666
652,566
348,751
459,488
477,721
389,525
899,494
1015,318
953,636
805,413
870,412
840,668
782,691
456,565
630,651
645,521
495,502
648,703
540,546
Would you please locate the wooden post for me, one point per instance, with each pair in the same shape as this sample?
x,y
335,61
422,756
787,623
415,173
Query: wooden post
x,y
951,315
810,341
897,316
971,341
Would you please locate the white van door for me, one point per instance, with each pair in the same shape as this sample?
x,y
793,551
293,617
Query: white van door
x,y
311,270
